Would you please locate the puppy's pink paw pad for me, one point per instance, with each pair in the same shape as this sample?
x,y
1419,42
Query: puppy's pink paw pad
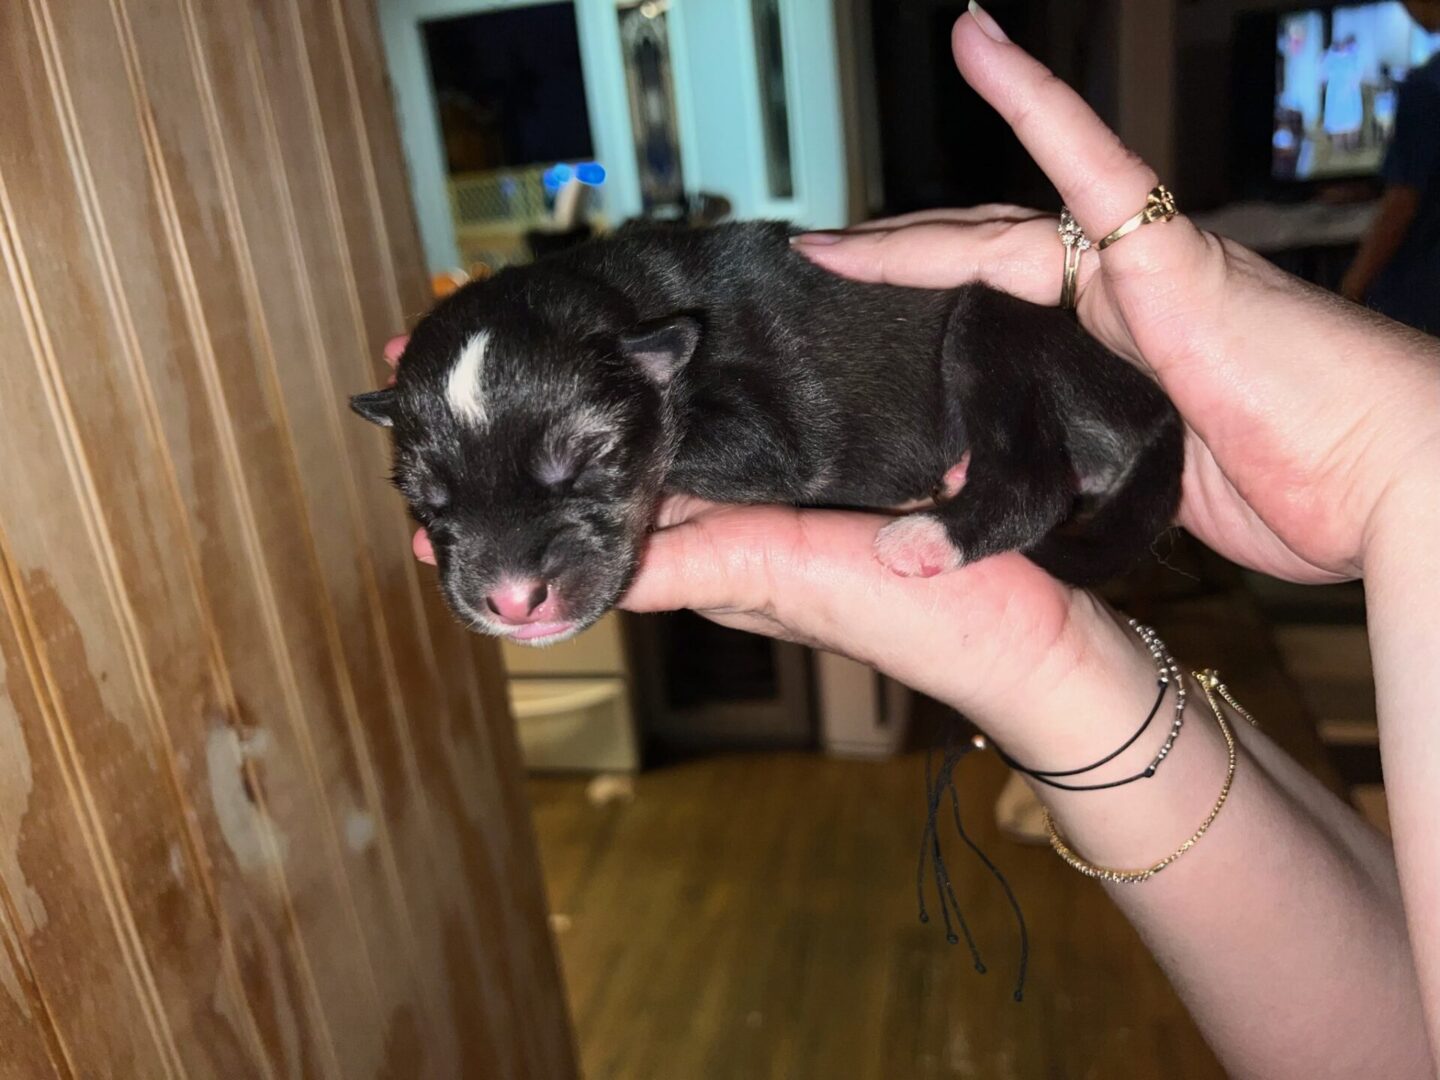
x,y
916,546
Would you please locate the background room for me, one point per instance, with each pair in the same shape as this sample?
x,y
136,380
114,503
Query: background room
x,y
666,752
267,809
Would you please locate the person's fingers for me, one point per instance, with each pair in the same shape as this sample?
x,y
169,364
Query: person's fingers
x,y
395,348
1024,259
421,546
678,509
757,559
1098,177
698,564
962,214
812,576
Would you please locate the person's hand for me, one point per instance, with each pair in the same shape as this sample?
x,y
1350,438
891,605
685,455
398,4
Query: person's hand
x,y
1309,422
394,349
984,639
1301,411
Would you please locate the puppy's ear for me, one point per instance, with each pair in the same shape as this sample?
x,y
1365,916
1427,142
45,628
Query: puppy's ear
x,y
662,348
378,406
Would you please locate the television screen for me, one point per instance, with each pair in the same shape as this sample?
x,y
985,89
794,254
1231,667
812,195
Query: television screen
x,y
1337,70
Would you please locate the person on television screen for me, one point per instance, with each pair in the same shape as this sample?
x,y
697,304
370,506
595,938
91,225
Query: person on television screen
x,y
1397,270
1344,99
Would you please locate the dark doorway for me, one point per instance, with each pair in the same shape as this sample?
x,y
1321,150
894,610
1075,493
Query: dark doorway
x,y
941,144
510,87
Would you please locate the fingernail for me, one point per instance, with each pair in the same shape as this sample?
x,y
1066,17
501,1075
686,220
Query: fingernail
x,y
817,239
987,22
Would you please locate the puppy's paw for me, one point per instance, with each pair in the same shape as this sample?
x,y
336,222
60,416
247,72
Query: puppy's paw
x,y
916,546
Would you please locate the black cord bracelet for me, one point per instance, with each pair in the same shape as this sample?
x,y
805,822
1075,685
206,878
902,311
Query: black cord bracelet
x,y
1044,776
1168,671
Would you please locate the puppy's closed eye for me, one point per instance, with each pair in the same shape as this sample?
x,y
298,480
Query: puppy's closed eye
x,y
563,468
568,456
427,497
436,501
558,468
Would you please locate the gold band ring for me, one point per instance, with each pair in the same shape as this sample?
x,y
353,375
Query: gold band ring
x,y
1159,206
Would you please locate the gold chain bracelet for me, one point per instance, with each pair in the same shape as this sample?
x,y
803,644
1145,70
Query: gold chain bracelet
x,y
1210,683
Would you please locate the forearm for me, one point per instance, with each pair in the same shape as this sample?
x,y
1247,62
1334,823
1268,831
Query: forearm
x,y
1282,928
1387,233
1402,589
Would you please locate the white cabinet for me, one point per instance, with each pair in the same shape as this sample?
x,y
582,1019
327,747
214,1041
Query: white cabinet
x,y
572,703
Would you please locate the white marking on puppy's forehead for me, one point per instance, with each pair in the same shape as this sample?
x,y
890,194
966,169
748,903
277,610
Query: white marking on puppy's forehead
x,y
464,389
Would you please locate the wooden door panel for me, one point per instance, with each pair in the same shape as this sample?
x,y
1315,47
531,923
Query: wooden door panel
x,y
260,810
241,710
106,685
67,939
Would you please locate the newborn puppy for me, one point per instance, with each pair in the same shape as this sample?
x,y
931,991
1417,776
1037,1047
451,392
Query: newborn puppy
x,y
539,416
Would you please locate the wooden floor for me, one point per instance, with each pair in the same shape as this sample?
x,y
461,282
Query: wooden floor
x,y
1321,636
753,916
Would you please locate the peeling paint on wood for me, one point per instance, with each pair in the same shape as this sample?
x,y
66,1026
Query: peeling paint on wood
x,y
246,827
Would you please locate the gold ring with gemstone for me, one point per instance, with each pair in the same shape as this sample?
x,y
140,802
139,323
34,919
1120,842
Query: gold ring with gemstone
x,y
1076,242
1159,206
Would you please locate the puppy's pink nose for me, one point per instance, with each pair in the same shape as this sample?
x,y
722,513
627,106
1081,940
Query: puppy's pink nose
x,y
519,602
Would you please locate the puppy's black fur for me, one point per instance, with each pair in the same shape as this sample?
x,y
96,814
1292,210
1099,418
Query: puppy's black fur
x,y
721,363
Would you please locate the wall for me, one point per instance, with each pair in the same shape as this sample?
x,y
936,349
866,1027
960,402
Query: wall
x,y
1146,73
718,92
717,103
260,806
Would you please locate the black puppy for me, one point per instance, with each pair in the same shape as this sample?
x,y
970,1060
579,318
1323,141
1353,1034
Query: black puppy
x,y
538,417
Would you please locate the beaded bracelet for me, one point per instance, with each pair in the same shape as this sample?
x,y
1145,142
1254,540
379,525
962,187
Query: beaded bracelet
x,y
1210,683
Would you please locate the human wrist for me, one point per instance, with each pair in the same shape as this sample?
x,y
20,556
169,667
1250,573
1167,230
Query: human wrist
x,y
1133,804
1134,826
1086,698
1400,535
